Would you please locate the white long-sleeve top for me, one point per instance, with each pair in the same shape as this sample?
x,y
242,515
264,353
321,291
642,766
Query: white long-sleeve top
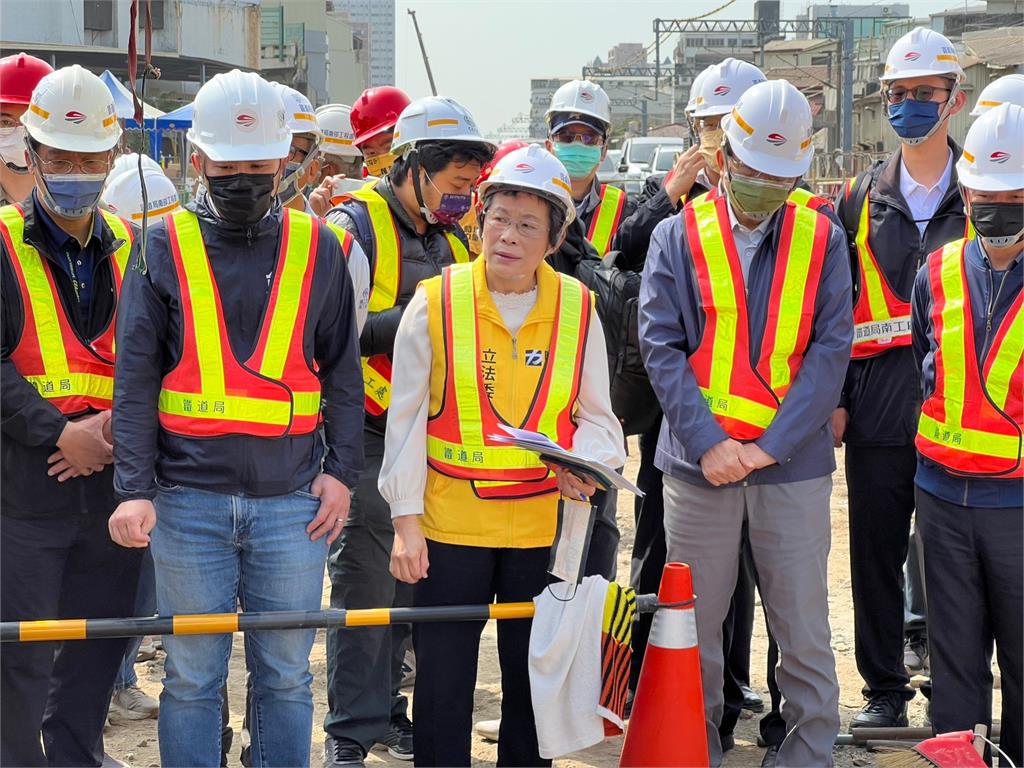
x,y
403,476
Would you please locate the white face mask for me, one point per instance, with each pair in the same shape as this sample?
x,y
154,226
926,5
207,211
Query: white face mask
x,y
12,148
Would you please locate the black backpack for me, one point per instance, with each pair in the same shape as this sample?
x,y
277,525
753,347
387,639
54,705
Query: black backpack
x,y
617,292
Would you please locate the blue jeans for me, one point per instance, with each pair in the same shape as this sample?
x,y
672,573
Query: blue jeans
x,y
145,605
210,549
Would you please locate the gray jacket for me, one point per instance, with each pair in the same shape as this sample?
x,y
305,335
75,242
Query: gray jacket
x,y
671,326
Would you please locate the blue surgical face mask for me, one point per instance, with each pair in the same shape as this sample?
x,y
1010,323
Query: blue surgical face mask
x,y
914,121
579,159
73,195
290,183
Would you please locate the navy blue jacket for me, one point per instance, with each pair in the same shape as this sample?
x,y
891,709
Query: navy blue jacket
x,y
149,331
991,295
671,326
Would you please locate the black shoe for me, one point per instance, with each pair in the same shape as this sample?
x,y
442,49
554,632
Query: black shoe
x,y
883,710
728,742
752,699
771,756
340,752
398,739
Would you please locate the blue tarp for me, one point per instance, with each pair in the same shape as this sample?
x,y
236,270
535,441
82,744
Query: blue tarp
x,y
181,118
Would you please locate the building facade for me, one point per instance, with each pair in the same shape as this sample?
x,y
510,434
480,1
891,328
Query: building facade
x,y
377,18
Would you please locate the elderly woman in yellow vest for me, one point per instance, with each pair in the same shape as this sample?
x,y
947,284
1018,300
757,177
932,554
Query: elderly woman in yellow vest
x,y
504,340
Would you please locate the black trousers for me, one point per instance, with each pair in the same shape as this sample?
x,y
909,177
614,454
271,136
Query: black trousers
x,y
881,487
60,567
974,574
447,653
364,665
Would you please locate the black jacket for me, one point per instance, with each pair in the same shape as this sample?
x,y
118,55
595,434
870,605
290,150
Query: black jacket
x,y
31,425
883,394
423,256
149,339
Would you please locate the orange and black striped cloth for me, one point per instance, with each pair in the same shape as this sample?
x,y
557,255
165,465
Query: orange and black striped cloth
x,y
616,632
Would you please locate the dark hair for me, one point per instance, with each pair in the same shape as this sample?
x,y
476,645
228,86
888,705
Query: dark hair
x,y
556,216
435,156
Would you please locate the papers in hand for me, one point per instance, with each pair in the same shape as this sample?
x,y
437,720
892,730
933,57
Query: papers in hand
x,y
548,450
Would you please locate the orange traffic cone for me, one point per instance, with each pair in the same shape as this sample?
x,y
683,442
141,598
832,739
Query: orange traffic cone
x,y
667,727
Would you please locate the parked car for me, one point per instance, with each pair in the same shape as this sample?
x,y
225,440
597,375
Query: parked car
x,y
638,153
664,158
609,167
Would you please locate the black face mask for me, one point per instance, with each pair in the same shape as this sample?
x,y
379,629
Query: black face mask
x,y
998,224
242,198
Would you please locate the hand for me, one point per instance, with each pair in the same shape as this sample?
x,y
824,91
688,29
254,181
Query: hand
x,y
63,469
722,463
131,523
570,485
409,560
335,498
83,446
840,420
683,174
320,198
754,458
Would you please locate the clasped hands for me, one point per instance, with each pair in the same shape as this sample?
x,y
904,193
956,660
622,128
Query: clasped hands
x,y
730,461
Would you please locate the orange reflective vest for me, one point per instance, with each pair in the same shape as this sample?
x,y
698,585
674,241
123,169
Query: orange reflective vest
x,y
276,392
972,423
71,373
384,287
459,440
606,219
744,396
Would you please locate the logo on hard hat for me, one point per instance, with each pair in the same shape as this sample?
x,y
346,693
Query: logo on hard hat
x,y
524,167
911,56
776,139
722,90
245,120
586,96
999,156
75,117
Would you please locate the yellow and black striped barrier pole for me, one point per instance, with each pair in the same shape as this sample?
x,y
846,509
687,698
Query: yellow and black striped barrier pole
x,y
219,623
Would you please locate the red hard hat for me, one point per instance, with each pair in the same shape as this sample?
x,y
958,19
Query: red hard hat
x,y
377,111
19,76
510,145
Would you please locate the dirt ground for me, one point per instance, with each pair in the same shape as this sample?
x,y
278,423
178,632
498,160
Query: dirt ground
x,y
136,743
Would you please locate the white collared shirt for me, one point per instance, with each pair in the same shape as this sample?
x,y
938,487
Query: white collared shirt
x,y
924,201
746,240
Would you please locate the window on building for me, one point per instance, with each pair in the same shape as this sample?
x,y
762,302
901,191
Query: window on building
x,y
732,42
158,14
98,15
820,59
715,42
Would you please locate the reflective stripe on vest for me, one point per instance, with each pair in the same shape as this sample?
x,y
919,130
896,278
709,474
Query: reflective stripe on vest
x,y
209,393
801,196
881,319
344,238
72,374
744,400
458,436
387,276
971,424
606,218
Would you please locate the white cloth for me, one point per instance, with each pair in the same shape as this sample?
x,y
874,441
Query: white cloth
x,y
514,307
924,201
403,476
565,667
359,271
746,240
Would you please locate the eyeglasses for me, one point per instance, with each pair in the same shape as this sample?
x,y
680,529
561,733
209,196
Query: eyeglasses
x,y
898,94
298,154
589,138
63,167
526,229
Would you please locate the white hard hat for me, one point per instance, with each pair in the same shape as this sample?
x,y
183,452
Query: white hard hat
x,y
695,87
298,111
993,157
581,97
434,118
919,53
72,109
723,85
1007,88
239,116
770,129
336,126
123,195
532,169
129,163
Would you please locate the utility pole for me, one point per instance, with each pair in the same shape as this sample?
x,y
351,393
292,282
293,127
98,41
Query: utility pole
x,y
423,50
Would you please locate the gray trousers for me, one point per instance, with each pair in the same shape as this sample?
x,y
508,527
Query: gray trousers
x,y
790,535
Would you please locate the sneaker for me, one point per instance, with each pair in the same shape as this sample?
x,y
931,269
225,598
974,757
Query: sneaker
x,y
408,669
132,704
398,739
883,710
147,651
488,729
915,655
342,752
